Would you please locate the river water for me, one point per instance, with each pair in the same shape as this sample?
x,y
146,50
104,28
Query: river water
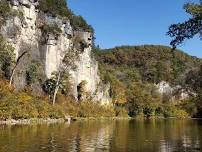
x,y
105,136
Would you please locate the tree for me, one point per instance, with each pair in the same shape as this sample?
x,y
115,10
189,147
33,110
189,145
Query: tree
x,y
57,86
15,66
34,73
7,56
7,59
188,29
60,77
59,80
25,48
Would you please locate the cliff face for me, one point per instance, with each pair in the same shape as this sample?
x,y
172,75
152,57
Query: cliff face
x,y
175,94
47,39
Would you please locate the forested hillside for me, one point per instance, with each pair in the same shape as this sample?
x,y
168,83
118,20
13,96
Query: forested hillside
x,y
135,71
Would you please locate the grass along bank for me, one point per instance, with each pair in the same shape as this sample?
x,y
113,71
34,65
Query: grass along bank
x,y
22,105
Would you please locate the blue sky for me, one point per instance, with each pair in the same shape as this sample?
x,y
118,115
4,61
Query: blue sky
x,y
134,22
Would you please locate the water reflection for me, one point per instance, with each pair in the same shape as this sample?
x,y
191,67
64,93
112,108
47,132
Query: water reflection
x,y
105,136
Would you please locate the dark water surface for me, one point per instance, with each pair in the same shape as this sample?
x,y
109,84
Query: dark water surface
x,y
104,136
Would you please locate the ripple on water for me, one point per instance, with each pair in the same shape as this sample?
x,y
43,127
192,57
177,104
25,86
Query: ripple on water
x,y
104,136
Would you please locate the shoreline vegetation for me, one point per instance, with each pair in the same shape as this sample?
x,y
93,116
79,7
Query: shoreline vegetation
x,y
60,120
22,107
39,121
31,121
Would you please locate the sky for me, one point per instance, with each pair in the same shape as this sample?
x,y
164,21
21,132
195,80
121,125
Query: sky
x,y
135,22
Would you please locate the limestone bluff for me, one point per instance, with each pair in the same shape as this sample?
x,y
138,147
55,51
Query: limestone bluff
x,y
24,32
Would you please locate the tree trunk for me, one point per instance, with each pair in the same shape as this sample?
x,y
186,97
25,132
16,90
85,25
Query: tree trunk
x,y
13,71
56,88
12,74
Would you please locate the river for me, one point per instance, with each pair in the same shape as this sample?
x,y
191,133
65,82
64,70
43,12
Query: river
x,y
104,136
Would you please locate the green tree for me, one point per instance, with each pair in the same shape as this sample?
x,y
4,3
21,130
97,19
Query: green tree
x,y
16,63
188,29
55,7
60,77
7,57
58,81
34,73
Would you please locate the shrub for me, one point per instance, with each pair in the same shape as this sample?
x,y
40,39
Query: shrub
x,y
159,111
78,23
148,110
4,8
56,112
134,109
59,8
55,7
79,43
72,108
179,113
24,111
22,105
42,107
34,73
90,109
172,111
121,112
51,29
190,106
7,57
5,111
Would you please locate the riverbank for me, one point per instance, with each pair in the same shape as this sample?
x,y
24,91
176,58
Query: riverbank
x,y
60,120
73,119
32,121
